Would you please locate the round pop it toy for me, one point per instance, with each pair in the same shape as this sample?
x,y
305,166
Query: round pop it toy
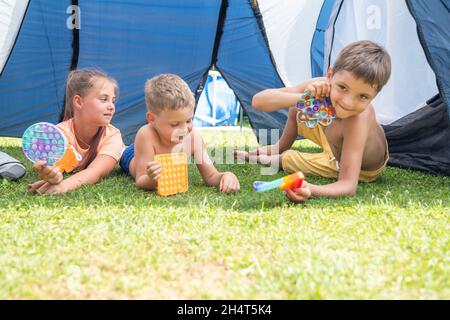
x,y
313,111
44,141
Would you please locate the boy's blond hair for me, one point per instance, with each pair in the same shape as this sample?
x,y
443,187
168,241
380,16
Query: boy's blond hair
x,y
366,60
167,91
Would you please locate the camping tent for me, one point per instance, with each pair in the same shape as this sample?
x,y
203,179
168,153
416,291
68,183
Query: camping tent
x,y
254,44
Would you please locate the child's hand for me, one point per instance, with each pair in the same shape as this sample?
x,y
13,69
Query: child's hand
x,y
44,187
229,183
299,194
50,174
319,87
154,170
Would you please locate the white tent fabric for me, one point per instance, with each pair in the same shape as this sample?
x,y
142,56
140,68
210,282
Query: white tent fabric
x,y
290,26
389,23
11,16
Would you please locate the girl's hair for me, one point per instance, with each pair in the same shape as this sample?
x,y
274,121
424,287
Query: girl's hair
x,y
79,82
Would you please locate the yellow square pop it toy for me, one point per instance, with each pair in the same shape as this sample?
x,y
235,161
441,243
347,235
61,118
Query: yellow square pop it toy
x,y
174,176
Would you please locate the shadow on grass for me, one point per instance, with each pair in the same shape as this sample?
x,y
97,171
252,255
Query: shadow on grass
x,y
396,187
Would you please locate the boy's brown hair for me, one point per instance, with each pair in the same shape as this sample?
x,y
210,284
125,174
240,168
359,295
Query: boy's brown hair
x,y
366,60
167,91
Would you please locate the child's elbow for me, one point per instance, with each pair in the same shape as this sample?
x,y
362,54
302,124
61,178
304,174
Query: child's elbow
x,y
257,102
351,190
144,186
347,188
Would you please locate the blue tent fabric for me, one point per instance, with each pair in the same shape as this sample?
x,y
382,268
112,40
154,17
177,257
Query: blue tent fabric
x,y
33,81
420,140
318,42
135,40
435,39
138,42
245,63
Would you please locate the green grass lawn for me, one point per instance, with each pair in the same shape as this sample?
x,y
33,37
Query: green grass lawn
x,y
110,240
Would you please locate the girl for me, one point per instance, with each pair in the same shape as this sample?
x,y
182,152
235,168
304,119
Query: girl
x,y
89,108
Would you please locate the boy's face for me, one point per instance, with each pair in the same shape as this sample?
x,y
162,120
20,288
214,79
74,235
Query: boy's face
x,y
350,95
172,125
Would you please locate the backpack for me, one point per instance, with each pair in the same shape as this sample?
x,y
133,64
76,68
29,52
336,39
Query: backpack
x,y
11,168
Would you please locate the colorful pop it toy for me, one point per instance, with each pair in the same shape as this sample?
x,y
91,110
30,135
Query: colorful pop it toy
x,y
294,180
174,176
45,141
313,111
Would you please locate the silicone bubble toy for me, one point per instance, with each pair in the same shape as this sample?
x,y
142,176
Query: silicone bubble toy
x,y
44,141
313,111
174,176
294,180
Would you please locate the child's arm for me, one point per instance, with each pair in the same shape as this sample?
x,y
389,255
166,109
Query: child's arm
x,y
53,182
287,139
275,99
148,171
355,136
225,181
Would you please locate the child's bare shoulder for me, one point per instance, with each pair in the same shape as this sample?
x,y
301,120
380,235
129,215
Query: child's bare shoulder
x,y
146,131
146,135
364,119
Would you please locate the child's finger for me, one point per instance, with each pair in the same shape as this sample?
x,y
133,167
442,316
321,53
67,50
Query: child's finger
x,y
221,185
230,187
43,172
318,92
156,177
152,164
293,196
47,170
38,165
43,188
50,172
313,90
35,185
234,185
157,171
156,167
55,176
327,90
302,192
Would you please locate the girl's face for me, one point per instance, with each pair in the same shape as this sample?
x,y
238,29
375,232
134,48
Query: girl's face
x,y
173,125
97,107
349,95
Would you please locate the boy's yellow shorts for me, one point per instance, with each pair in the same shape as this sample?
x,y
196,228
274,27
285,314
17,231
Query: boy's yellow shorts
x,y
324,163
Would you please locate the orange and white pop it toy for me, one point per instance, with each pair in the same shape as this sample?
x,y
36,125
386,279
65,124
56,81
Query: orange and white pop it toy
x,y
174,176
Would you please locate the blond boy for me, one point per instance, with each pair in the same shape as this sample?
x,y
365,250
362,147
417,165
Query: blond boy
x,y
170,109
